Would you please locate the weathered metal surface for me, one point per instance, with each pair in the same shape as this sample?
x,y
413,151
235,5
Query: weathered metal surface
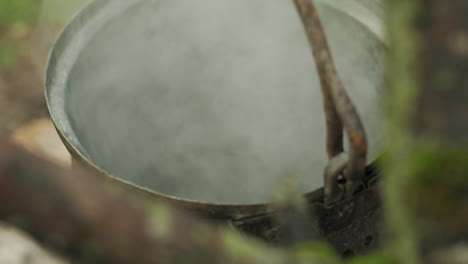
x,y
64,53
353,226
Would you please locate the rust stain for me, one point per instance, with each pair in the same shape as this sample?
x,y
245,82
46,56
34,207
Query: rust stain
x,y
358,140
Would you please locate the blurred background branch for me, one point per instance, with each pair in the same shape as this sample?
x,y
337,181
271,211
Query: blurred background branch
x,y
426,188
88,220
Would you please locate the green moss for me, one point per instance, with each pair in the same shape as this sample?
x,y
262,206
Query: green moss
x,y
377,258
18,10
317,252
426,183
401,96
439,185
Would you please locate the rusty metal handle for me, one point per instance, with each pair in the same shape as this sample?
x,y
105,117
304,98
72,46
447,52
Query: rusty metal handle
x,y
339,112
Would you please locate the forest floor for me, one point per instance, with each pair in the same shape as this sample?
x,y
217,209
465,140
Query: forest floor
x,y
22,80
24,117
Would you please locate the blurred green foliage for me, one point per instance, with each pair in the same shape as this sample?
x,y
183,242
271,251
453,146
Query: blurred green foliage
x,y
15,19
317,252
59,10
12,11
375,258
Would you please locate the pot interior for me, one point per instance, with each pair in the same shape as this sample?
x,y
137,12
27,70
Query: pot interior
x,y
213,100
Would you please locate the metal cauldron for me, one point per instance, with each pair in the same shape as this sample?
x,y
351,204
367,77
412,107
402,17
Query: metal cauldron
x,y
105,37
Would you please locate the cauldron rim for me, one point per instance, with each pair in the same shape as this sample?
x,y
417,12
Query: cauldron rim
x,y
61,60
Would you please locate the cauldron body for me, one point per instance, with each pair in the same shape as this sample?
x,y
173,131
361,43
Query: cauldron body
x,y
138,97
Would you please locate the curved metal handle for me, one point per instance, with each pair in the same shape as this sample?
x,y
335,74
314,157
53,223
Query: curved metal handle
x,y
339,112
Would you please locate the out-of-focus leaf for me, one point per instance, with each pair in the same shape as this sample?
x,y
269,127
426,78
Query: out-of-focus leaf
x,y
16,17
18,10
377,258
317,251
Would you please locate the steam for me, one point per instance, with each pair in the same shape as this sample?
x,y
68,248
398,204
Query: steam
x,y
215,100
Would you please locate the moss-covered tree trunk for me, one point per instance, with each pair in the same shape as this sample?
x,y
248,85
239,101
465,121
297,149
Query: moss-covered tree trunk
x,y
426,185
